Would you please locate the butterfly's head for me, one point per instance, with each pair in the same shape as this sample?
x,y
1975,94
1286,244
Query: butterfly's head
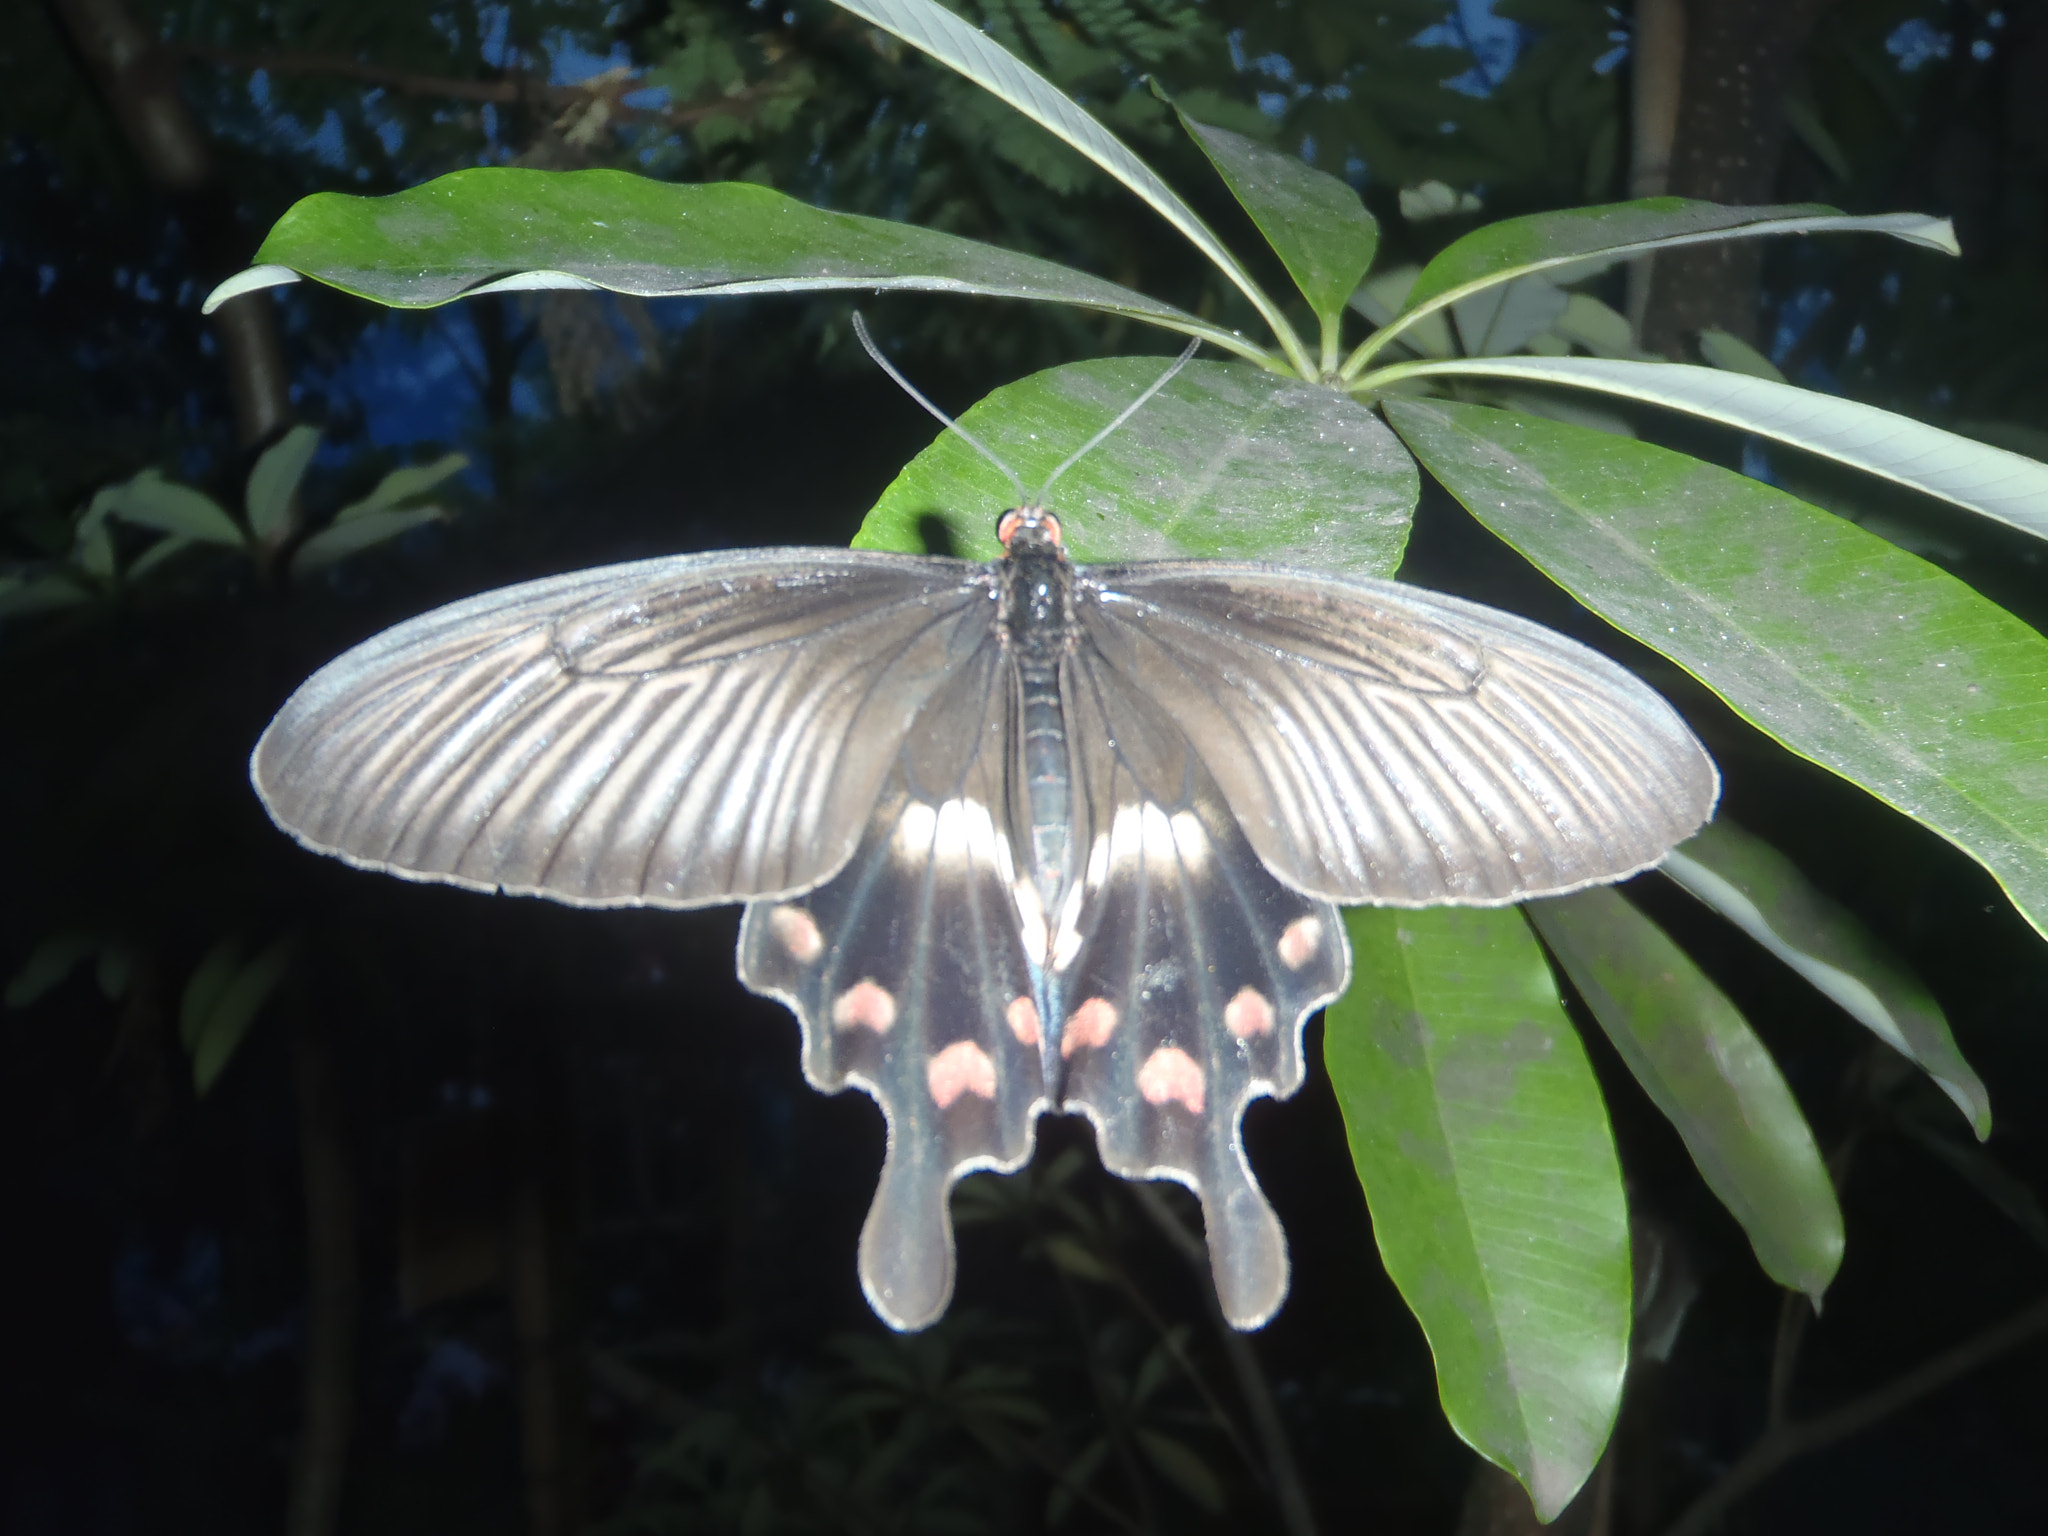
x,y
1028,528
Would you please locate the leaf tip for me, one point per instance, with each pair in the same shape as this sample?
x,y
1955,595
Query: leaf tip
x,y
249,280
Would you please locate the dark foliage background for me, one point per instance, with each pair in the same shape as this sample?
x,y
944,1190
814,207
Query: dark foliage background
x,y
510,1216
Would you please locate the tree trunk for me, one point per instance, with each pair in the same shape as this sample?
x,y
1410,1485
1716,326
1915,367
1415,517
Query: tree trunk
x,y
1656,68
137,81
1740,56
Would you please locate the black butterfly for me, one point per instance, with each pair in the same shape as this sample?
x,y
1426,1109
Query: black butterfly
x,y
1014,837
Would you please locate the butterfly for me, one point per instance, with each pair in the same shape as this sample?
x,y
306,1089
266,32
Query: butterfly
x,y
1014,837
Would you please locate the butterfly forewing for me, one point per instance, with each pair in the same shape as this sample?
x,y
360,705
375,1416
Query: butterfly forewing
x,y
669,733
1383,744
910,980
1195,972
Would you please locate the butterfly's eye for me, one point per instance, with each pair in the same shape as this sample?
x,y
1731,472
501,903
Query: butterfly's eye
x,y
1040,522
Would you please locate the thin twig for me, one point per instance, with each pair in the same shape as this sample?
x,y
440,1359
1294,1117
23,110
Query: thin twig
x,y
1798,1438
1289,1490
1794,1313
507,89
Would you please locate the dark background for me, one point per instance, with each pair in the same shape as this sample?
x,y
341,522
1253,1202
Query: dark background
x,y
505,1216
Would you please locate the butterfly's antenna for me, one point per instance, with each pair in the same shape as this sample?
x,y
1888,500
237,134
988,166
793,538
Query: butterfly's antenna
x,y
1122,416
860,329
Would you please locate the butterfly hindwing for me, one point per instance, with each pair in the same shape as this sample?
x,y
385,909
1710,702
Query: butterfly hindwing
x,y
1195,972
911,982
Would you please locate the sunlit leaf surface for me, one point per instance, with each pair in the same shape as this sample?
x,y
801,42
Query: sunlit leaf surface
x,y
1849,651
1762,892
2006,486
1483,1146
499,229
1705,1068
1227,460
1314,222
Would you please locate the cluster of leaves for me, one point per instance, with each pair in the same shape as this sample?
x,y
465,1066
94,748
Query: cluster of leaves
x,y
269,534
1090,1405
1767,602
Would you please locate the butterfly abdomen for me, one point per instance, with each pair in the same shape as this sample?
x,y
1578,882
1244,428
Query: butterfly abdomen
x,y
1038,632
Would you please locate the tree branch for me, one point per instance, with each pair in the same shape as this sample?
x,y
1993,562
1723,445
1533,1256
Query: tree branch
x,y
1796,1438
1297,1515
609,87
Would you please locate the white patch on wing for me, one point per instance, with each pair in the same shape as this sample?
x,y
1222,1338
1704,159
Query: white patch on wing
x,y
1098,861
1158,835
1066,943
797,932
962,1067
1030,920
1299,943
1170,1076
865,1005
914,830
966,834
1190,839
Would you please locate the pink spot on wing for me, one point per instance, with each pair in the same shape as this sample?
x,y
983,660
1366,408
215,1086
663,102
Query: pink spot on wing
x,y
1248,1014
962,1067
1091,1025
1298,945
1022,1015
1170,1076
865,1005
797,932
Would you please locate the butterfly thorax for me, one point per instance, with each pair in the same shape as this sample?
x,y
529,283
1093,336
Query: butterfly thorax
x,y
1038,629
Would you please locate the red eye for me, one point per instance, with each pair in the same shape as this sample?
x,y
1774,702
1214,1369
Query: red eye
x,y
1037,517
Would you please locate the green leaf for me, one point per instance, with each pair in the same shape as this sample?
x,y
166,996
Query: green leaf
x,y
938,32
225,1025
21,595
1315,223
1732,354
1589,239
1071,1256
1436,200
1504,318
1599,328
47,966
339,539
151,501
1226,460
1379,299
1989,480
1762,892
158,554
203,990
403,484
1849,651
274,481
1484,1150
1704,1067
1610,231
1182,1467
498,229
